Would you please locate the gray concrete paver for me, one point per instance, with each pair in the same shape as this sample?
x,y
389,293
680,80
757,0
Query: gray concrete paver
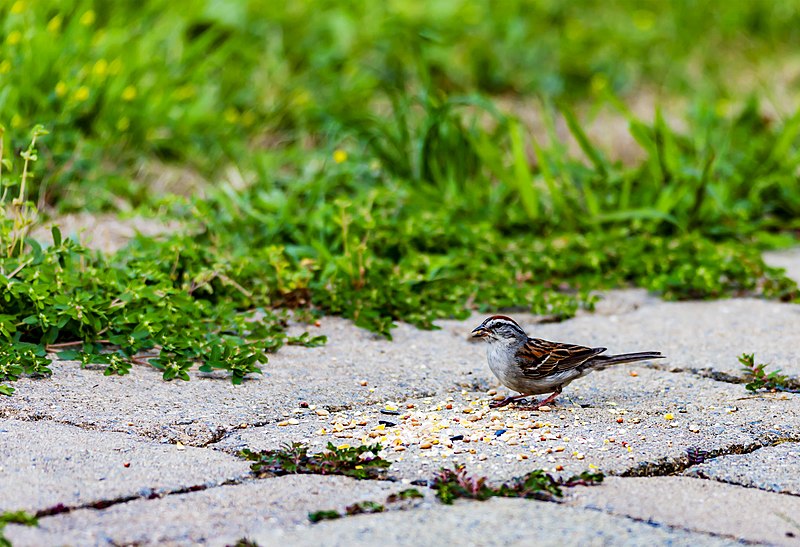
x,y
44,464
698,505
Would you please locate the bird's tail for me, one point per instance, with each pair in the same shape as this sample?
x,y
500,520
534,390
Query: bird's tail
x,y
602,361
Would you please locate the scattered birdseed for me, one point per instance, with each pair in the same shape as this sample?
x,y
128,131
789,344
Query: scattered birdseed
x,y
363,383
322,412
303,404
386,424
500,432
545,408
669,416
390,412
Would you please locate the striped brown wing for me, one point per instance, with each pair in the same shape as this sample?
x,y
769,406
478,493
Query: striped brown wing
x,y
541,358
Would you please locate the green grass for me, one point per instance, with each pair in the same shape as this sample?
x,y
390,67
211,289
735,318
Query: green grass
x,y
360,159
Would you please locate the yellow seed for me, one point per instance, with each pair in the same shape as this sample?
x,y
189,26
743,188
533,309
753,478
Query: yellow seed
x,y
343,446
669,417
426,445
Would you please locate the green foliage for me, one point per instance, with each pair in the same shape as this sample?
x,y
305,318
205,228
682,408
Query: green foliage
x,y
14,517
758,378
239,72
451,484
351,461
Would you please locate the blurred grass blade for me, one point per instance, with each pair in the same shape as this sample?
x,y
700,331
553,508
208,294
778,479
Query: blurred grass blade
x,y
594,155
522,179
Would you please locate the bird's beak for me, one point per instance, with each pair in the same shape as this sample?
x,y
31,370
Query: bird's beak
x,y
479,332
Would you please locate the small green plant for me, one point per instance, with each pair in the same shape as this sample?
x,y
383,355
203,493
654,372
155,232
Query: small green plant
x,y
325,514
408,494
14,517
451,484
363,507
360,462
757,378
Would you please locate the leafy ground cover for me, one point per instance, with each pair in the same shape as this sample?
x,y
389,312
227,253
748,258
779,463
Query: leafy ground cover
x,y
369,170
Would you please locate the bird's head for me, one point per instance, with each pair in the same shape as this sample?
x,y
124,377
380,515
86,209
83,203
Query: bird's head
x,y
499,328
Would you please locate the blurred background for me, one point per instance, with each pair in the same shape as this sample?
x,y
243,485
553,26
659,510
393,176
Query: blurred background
x,y
413,160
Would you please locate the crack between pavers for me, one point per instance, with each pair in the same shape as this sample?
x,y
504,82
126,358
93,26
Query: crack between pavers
x,y
792,383
656,524
60,508
672,466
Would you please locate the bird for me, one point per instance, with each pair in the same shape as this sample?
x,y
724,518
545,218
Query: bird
x,y
532,366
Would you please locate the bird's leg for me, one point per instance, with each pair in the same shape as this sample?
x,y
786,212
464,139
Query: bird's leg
x,y
535,406
506,401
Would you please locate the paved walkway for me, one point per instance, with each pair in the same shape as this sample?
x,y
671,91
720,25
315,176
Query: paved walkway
x,y
135,460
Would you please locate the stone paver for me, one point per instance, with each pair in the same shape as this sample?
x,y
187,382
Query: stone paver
x,y
220,515
501,522
633,422
775,468
44,464
698,505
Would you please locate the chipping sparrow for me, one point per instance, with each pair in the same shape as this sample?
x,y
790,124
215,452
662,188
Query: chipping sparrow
x,y
533,366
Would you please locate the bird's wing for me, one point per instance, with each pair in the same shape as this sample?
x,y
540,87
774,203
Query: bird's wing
x,y
541,358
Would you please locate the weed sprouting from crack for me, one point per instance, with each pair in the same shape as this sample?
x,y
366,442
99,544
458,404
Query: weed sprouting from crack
x,y
451,484
757,378
366,507
359,462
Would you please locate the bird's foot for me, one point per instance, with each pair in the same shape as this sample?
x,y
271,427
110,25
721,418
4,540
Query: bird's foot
x,y
504,402
538,405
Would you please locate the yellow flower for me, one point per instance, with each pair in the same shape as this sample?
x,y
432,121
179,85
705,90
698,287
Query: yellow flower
x,y
54,24
129,93
14,37
231,115
339,156
100,67
81,94
18,7
123,123
87,18
5,66
61,89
